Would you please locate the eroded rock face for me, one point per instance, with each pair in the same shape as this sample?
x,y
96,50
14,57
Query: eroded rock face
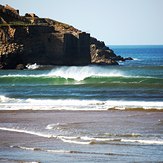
x,y
100,54
30,39
42,45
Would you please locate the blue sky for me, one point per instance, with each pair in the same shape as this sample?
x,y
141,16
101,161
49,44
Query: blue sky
x,y
116,22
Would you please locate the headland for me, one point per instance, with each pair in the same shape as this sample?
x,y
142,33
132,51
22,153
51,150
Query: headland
x,y
29,39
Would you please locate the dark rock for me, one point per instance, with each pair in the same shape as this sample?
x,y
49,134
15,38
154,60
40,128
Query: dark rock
x,y
101,56
20,67
128,58
30,39
119,58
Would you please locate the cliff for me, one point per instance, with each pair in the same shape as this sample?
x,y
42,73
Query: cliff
x,y
29,39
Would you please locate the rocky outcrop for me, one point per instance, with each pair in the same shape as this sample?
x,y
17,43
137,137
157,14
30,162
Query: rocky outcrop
x,y
100,54
42,45
29,39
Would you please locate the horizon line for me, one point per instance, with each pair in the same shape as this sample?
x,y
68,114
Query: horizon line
x,y
134,45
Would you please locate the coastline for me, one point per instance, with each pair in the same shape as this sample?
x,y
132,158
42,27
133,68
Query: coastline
x,y
79,120
20,145
28,39
66,96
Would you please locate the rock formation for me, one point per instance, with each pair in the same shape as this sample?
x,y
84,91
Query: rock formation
x,y
29,39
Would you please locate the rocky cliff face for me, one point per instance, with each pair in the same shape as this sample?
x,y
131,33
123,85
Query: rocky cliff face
x,y
29,39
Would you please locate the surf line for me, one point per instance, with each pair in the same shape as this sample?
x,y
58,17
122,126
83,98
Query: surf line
x,y
28,132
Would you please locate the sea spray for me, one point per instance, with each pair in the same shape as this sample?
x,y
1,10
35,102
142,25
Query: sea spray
x,y
81,73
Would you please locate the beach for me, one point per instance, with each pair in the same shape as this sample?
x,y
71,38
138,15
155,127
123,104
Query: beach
x,y
93,113
81,136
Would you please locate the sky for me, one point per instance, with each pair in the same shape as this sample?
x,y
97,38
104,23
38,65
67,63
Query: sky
x,y
116,22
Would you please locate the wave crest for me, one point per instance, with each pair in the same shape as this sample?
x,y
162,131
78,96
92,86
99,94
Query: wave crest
x,y
86,140
82,72
7,103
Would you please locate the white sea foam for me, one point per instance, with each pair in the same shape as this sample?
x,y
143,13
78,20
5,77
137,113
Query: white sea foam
x,y
76,141
41,149
83,140
157,142
51,126
7,103
61,151
122,105
58,151
29,148
23,75
136,59
77,73
4,99
100,139
27,132
32,66
8,100
80,73
123,135
90,140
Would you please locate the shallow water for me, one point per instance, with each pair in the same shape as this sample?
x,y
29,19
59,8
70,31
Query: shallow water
x,y
82,136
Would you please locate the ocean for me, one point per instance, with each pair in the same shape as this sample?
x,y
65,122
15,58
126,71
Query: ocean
x,y
94,113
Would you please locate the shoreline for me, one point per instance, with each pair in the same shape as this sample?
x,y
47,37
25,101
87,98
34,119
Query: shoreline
x,y
96,110
49,136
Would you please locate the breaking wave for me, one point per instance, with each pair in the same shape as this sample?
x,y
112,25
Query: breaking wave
x,y
79,75
32,66
27,132
64,151
85,140
89,141
7,103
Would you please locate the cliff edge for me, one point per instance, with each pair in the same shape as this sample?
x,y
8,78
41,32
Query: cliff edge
x,y
29,39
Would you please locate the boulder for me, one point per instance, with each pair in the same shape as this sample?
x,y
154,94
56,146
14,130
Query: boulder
x,y
20,67
128,58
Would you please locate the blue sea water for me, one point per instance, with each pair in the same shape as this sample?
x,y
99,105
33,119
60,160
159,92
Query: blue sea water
x,y
133,84
85,113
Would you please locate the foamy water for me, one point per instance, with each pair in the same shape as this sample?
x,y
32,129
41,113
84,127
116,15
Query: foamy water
x,y
86,134
84,140
7,103
77,73
81,73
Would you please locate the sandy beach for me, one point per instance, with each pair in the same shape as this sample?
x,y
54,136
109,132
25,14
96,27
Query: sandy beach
x,y
80,136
